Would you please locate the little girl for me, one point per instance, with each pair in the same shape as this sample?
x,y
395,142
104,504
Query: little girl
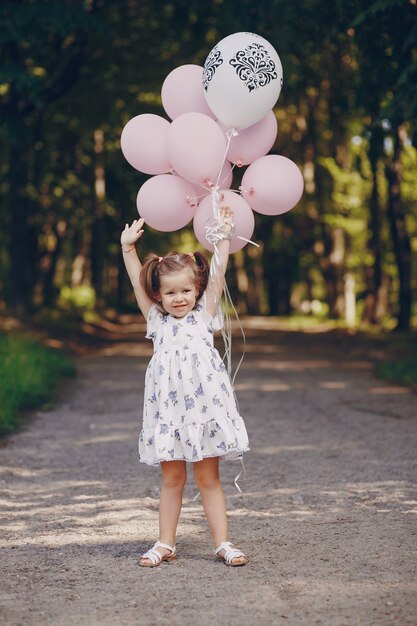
x,y
190,414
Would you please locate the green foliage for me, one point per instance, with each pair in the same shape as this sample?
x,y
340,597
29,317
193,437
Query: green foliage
x,y
81,297
41,43
403,371
74,67
386,34
30,373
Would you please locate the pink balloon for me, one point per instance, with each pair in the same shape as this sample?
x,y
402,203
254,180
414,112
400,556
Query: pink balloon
x,y
166,202
272,185
254,141
225,182
182,92
243,219
196,147
144,143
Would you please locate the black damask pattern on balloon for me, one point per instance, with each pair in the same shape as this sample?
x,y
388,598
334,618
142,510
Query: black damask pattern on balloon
x,y
254,66
213,61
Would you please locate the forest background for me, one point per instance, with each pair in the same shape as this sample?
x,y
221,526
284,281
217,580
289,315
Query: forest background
x,y
72,73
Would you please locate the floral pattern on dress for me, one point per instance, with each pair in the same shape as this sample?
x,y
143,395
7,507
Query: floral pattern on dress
x,y
190,411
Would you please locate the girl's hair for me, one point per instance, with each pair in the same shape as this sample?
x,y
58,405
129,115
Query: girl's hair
x,y
155,266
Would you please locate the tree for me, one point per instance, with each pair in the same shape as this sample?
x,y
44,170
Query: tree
x,y
385,32
35,72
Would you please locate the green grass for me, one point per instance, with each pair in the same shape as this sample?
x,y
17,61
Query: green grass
x,y
402,371
29,373
399,354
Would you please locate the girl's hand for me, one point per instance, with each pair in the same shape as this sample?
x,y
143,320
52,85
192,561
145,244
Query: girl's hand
x,y
226,219
131,234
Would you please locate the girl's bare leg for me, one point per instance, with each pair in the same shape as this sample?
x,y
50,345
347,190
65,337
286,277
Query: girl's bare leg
x,y
207,479
174,476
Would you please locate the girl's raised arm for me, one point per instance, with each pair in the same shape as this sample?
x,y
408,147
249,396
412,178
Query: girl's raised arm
x,y
130,235
216,283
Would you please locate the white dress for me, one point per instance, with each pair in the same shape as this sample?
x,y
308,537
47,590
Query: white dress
x,y
190,411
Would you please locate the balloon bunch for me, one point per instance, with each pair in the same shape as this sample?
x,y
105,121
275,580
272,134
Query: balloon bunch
x,y
221,118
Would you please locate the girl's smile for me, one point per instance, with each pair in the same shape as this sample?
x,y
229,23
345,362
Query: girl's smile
x,y
178,293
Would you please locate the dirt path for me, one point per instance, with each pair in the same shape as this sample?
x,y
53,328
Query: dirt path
x,y
328,516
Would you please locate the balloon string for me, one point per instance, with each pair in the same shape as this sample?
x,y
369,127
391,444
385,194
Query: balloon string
x,y
232,132
229,135
217,274
247,240
242,471
217,271
229,304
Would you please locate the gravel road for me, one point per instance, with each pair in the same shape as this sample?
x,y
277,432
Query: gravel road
x,y
328,514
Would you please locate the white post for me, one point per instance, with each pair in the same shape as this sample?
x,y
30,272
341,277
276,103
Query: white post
x,y
350,300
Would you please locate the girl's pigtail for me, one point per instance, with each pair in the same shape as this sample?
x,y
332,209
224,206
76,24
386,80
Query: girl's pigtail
x,y
149,278
203,272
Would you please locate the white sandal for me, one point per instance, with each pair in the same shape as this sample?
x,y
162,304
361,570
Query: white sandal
x,y
230,553
156,557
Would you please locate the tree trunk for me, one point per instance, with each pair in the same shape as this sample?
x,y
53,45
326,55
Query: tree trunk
x,y
121,283
400,238
97,228
373,309
277,270
256,290
48,290
330,261
21,238
278,278
21,111
239,282
332,264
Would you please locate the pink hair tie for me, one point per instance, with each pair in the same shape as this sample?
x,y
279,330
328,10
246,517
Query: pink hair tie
x,y
159,259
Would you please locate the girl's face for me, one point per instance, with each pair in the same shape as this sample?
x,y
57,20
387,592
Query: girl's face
x,y
178,292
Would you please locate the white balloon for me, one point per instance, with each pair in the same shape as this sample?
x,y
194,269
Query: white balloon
x,y
242,79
